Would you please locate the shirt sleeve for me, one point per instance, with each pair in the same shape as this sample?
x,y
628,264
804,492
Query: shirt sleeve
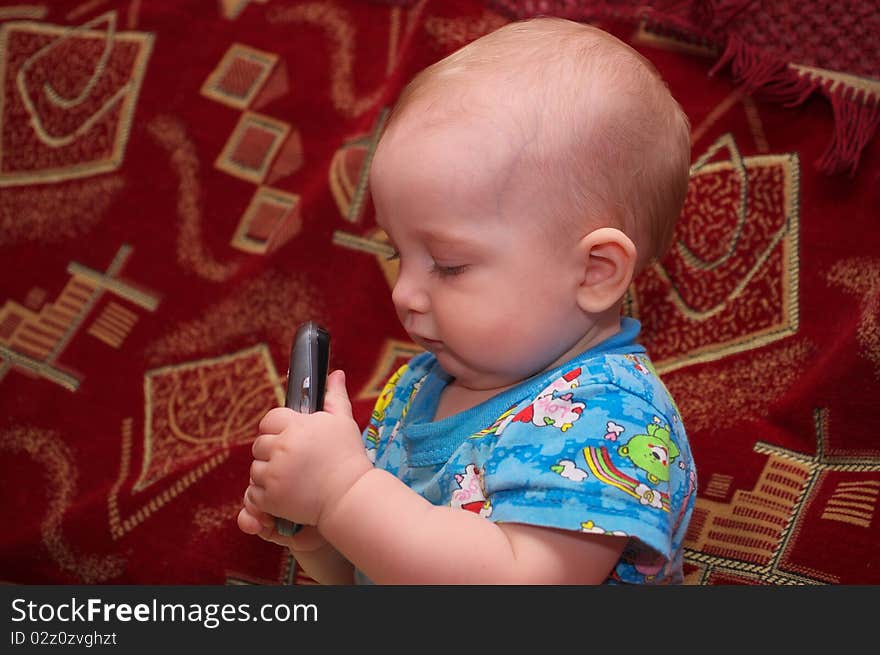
x,y
595,459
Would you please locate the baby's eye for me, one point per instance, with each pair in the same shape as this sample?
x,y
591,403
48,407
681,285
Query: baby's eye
x,y
449,271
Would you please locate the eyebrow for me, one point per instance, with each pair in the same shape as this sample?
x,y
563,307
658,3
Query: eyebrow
x,y
438,237
444,238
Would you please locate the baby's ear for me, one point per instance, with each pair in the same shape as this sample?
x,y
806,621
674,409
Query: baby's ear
x,y
609,260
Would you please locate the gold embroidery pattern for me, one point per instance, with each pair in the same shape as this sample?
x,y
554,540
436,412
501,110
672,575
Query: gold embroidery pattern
x,y
35,298
208,519
719,485
394,355
58,122
34,341
50,214
199,410
34,12
134,11
862,277
338,27
195,413
865,87
260,148
113,325
756,534
750,528
231,9
742,390
46,448
272,304
752,116
84,8
453,33
735,263
239,76
271,219
715,115
853,503
756,126
350,168
645,35
375,242
252,147
192,254
120,526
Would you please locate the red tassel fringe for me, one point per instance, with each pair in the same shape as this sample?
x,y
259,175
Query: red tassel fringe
x,y
855,124
856,113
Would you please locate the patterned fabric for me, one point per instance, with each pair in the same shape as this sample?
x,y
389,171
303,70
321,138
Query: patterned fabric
x,y
595,445
183,182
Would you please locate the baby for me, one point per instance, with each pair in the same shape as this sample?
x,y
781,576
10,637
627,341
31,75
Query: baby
x,y
522,181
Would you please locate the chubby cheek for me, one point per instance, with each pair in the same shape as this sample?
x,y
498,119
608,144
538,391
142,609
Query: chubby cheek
x,y
498,333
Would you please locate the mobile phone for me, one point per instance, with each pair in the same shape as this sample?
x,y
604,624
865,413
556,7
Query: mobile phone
x,y
306,382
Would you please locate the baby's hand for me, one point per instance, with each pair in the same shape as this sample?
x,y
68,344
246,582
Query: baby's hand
x,y
252,521
305,463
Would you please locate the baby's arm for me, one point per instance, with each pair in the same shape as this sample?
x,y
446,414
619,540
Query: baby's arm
x,y
397,537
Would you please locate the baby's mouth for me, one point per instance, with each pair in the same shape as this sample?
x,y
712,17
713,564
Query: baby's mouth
x,y
428,344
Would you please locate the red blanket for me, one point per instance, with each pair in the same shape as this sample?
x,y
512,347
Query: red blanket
x,y
183,183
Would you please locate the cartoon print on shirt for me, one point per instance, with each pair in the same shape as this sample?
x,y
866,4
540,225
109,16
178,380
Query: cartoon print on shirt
x,y
648,496
377,427
409,401
554,406
603,467
563,384
470,495
612,431
498,426
592,528
637,363
569,470
692,487
651,452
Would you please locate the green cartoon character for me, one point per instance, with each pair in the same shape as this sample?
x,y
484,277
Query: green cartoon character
x,y
652,452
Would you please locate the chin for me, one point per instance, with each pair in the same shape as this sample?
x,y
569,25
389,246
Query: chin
x,y
471,378
453,365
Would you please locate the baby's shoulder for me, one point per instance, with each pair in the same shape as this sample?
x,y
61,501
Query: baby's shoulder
x,y
628,378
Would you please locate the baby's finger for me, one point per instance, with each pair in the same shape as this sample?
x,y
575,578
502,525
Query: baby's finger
x,y
262,447
256,496
258,472
336,400
276,420
248,523
266,520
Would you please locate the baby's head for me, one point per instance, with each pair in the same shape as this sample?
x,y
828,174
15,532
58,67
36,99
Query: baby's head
x,y
524,179
592,127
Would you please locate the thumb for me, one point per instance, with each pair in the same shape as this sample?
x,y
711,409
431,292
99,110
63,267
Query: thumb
x,y
336,400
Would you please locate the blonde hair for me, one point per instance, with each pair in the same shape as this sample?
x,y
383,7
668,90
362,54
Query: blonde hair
x,y
606,123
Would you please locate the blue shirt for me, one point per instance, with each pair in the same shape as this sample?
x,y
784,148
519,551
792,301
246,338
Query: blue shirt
x,y
595,445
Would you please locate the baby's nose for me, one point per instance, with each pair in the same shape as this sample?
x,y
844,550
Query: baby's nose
x,y
409,296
